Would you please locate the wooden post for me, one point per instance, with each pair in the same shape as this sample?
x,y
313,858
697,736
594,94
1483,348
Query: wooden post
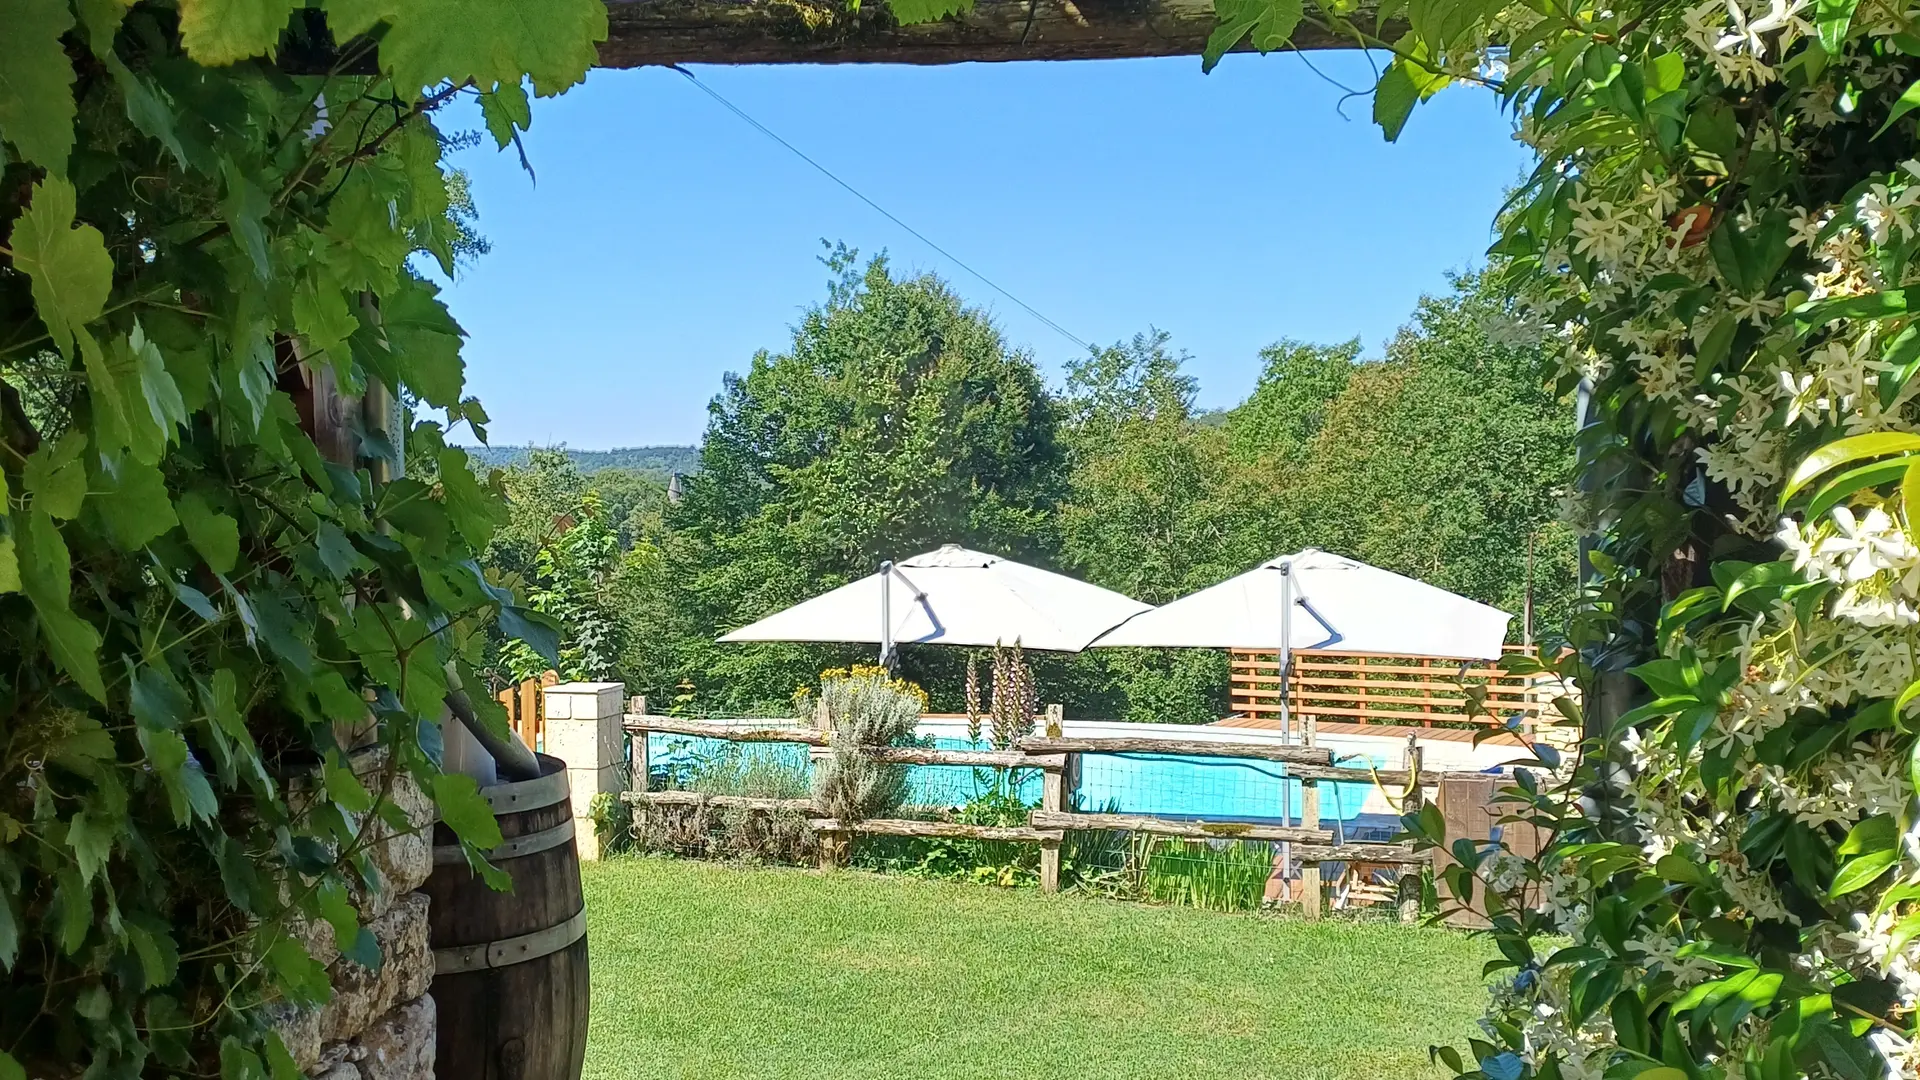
x,y
1310,871
1053,796
639,753
1310,819
1415,798
835,847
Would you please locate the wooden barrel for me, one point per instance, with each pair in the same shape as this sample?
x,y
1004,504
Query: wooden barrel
x,y
510,968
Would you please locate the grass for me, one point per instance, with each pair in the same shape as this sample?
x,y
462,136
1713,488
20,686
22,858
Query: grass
x,y
713,971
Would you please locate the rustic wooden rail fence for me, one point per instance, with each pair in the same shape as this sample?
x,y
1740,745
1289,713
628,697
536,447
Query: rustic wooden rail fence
x,y
1055,756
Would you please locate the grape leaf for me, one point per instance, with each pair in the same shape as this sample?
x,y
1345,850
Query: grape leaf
x,y
465,811
133,502
214,535
91,839
1393,99
221,32
45,576
9,951
505,109
56,478
68,265
425,342
36,83
1267,24
474,510
490,42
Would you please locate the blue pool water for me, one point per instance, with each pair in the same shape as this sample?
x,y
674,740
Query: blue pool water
x,y
1166,785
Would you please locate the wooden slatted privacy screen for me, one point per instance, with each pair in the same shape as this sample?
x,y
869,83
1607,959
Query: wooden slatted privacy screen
x,y
1375,689
527,707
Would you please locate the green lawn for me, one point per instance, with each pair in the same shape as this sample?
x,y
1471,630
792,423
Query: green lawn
x,y
717,972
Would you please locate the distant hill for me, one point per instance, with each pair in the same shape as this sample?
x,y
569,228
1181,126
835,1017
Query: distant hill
x,y
654,460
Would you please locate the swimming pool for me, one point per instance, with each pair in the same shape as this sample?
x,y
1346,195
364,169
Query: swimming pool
x,y
1163,785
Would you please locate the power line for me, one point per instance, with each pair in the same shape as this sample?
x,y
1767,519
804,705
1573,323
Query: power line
x,y
881,210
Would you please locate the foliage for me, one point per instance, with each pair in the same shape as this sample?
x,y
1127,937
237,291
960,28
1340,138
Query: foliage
x,y
1132,992
655,463
572,571
984,862
1722,222
897,421
1226,875
200,608
862,708
1013,700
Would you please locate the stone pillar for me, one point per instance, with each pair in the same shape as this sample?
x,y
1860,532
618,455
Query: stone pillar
x,y
583,729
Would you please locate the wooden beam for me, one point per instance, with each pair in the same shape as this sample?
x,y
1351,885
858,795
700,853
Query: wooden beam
x,y
1192,830
667,725
1302,755
641,32
701,798
978,759
947,829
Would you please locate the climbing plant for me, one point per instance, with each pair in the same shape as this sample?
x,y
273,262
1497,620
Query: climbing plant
x,y
1722,229
209,216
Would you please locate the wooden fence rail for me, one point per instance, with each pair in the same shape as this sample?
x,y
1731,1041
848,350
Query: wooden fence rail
x,y
1055,756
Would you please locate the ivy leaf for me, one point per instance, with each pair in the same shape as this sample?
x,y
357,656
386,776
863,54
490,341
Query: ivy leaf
x,y
214,535
279,1062
157,702
153,943
1393,99
489,42
36,83
239,1063
134,505
46,577
505,109
221,32
1268,23
336,552
465,811
68,265
344,787
56,478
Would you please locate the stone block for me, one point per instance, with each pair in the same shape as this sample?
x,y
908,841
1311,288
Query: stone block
x,y
399,1045
406,970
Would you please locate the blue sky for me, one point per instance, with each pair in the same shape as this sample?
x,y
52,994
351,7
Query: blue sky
x,y
666,240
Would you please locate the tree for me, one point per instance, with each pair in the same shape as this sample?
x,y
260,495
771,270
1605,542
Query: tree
x,y
1143,516
897,420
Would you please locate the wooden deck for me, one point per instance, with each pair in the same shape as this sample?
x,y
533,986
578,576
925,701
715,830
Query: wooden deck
x,y
1397,732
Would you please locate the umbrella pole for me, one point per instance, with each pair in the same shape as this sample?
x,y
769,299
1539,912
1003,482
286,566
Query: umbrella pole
x,y
1286,645
886,616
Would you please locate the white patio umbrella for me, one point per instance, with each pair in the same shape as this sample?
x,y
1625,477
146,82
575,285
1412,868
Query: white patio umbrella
x,y
953,596
1315,599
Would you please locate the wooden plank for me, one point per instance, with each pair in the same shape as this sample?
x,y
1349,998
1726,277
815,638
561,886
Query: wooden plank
x,y
1306,701
1311,854
701,798
979,759
1034,744
1466,805
667,725
643,32
936,829
1195,830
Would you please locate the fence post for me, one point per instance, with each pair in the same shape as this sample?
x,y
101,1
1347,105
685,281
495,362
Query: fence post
x,y
836,848
1416,798
1310,819
583,728
1053,787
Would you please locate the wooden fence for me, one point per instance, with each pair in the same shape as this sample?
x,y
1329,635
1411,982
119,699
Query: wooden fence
x,y
1376,689
527,707
1056,757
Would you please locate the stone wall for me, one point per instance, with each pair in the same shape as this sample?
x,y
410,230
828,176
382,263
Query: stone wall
x,y
379,1024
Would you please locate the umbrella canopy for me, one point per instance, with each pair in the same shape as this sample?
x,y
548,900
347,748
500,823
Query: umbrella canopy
x,y
1338,603
954,596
